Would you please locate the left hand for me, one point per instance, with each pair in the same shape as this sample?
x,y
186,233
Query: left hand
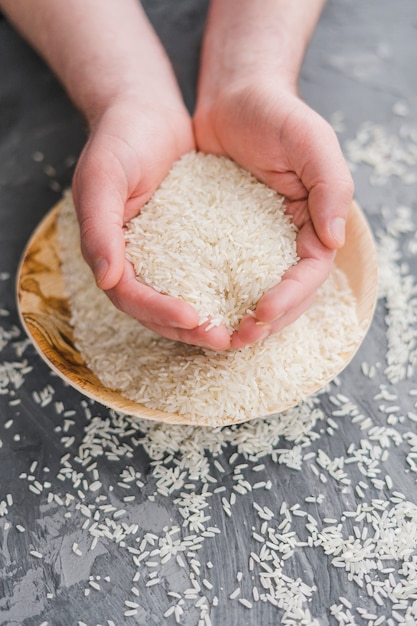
x,y
272,133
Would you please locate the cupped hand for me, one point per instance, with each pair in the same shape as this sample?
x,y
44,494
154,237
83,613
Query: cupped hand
x,y
129,152
271,132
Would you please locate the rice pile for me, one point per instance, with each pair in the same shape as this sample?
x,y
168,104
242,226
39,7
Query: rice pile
x,y
206,387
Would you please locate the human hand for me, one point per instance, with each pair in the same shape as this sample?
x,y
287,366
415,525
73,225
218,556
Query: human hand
x,y
129,152
269,131
117,73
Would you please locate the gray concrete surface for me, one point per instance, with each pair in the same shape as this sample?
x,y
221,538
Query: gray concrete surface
x,y
355,466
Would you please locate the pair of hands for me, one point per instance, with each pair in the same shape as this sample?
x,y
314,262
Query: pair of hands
x,y
268,131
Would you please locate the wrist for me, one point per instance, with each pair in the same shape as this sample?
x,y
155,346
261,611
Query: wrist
x,y
131,103
265,86
248,41
134,121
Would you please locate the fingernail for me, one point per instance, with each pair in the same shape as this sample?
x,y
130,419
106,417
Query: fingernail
x,y
100,269
182,325
268,324
337,229
279,316
263,336
206,346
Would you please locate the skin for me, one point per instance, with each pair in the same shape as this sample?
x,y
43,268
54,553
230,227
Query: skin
x,y
247,109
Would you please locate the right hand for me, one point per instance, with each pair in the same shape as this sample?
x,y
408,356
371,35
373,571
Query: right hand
x,y
129,152
265,127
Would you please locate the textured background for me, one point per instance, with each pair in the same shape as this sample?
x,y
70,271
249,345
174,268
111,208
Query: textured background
x,y
346,458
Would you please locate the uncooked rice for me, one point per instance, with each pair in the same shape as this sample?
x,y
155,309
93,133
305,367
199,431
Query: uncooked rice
x,y
213,236
208,387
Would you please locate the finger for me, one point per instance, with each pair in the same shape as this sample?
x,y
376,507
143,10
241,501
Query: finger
x,y
217,339
298,284
148,305
326,176
283,303
168,316
301,280
329,212
100,192
292,315
252,331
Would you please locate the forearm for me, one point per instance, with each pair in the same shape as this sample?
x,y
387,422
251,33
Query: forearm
x,y
245,39
100,51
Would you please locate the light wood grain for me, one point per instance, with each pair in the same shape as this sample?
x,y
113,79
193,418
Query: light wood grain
x,y
45,312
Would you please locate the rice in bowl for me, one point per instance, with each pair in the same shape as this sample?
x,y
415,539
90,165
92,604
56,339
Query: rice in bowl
x,y
216,237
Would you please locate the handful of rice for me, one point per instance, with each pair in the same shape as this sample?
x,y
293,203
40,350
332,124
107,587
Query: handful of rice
x,y
214,236
217,238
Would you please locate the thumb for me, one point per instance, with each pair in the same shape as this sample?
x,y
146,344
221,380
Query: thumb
x,y
330,189
100,204
329,204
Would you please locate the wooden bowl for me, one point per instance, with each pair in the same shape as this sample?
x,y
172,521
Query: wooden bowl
x,y
45,311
